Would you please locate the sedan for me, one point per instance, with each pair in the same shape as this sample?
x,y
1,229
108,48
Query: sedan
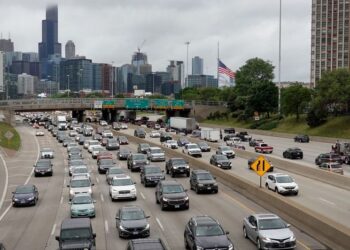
x,y
328,157
268,231
43,167
154,134
220,161
293,153
131,221
204,146
123,140
123,153
82,205
39,133
25,195
170,144
302,138
182,141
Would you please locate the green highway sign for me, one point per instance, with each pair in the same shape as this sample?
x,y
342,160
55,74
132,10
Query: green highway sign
x,y
137,103
108,104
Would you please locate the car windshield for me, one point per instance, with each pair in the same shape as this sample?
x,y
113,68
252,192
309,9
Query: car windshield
x,y
152,170
132,215
205,176
112,141
122,138
24,190
94,143
284,179
80,170
75,149
76,233
80,183
77,163
115,171
82,199
202,144
209,230
106,161
192,146
179,162
268,224
124,151
46,150
144,145
139,157
221,157
183,140
43,164
122,182
170,189
156,151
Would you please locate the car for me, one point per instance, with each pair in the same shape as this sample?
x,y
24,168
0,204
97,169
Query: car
x,y
302,138
140,132
122,187
72,145
75,151
25,195
293,153
238,146
104,141
123,153
333,167
252,160
229,131
255,141
97,136
82,205
165,137
43,167
79,185
196,133
142,148
170,144
192,149
171,194
89,143
263,148
103,123
229,137
123,140
143,244
75,163
232,141
328,157
36,126
39,133
131,221
151,175
124,126
204,232
81,171
97,150
204,146
203,181
76,233
116,125
104,164
81,140
268,231
182,141
176,166
113,171
2,247
281,183
220,161
226,150
47,153
107,134
154,134
155,154
73,133
87,131
244,136
136,161
112,144
157,126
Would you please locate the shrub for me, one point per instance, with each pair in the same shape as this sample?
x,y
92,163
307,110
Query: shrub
x,y
316,117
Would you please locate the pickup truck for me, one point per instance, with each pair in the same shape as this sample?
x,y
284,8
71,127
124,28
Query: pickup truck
x,y
263,148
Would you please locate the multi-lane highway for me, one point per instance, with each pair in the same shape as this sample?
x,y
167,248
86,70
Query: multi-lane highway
x,y
36,227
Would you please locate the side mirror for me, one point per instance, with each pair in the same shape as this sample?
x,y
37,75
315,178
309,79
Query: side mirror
x,y
288,225
94,235
68,185
227,232
148,217
92,184
117,218
57,238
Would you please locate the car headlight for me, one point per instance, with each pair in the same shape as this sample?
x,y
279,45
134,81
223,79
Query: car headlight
x,y
265,239
199,248
71,192
230,247
147,162
147,227
187,166
91,209
15,199
90,191
133,163
200,185
292,238
31,198
215,184
186,198
296,187
165,199
219,165
122,228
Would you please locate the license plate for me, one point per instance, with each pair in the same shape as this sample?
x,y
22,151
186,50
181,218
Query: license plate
x,y
209,188
22,201
135,233
281,245
181,170
177,206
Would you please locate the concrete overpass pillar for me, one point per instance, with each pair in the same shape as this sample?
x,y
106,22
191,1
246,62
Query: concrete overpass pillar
x,y
75,114
80,116
105,114
113,115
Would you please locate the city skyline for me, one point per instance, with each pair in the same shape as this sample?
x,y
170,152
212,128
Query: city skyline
x,y
165,33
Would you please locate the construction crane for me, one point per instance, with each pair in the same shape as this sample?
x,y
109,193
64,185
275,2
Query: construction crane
x,y
139,47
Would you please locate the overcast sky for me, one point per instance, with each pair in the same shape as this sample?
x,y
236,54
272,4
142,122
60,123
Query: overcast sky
x,y
111,30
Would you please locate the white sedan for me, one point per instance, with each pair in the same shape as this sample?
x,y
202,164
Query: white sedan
x,y
170,144
154,134
124,126
39,133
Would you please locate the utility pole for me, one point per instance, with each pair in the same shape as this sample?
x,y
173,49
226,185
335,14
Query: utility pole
x,y
279,60
186,82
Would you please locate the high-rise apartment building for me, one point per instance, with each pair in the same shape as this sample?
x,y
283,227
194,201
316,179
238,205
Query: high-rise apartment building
x,y
329,36
70,50
6,45
197,66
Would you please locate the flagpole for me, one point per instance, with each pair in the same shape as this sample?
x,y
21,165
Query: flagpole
x,y
217,64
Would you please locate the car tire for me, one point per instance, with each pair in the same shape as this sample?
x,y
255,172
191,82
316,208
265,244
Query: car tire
x,y
267,186
276,190
186,244
172,174
258,244
188,174
245,233
167,170
162,206
196,190
157,201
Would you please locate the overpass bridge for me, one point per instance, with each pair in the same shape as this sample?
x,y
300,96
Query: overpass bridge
x,y
111,106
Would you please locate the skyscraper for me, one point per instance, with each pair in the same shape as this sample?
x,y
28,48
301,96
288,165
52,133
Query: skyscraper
x,y
139,60
49,45
329,36
6,45
70,50
197,66
177,72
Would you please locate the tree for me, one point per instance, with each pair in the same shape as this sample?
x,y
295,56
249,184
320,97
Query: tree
x,y
263,97
294,99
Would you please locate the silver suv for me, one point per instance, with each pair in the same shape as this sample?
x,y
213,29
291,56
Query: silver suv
x,y
78,185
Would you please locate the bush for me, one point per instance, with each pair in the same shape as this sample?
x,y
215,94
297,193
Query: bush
x,y
236,113
316,117
268,125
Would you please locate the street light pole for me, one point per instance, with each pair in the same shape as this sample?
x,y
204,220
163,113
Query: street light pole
x,y
279,60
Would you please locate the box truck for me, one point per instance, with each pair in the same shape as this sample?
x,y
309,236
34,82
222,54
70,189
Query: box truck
x,y
212,135
183,124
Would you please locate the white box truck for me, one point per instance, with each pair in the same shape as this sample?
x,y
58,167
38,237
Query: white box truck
x,y
183,124
62,122
212,135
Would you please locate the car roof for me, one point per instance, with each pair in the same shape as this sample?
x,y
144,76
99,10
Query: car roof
x,y
130,208
279,174
82,194
79,177
200,171
75,223
122,176
170,182
204,220
266,216
154,148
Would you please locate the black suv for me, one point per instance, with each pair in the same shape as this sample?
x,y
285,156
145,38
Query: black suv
x,y
220,161
142,244
203,181
229,131
175,166
171,194
143,148
137,161
204,232
140,132
76,233
151,175
302,138
131,221
164,137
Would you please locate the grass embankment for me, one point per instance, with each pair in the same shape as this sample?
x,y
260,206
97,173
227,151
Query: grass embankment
x,y
338,127
14,142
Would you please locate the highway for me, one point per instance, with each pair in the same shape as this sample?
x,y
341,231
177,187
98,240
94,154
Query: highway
x,y
35,227
331,201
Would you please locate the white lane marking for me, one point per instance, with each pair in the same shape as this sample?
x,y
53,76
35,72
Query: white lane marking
x,y
53,229
97,180
106,226
160,224
6,182
102,198
327,201
64,182
143,196
61,201
5,212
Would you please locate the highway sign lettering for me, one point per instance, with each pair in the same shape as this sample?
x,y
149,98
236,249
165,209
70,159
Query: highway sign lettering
x,y
261,165
98,104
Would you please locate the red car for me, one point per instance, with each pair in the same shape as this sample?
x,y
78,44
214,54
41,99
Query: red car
x,y
263,148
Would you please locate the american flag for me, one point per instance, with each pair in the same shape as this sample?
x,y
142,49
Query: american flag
x,y
224,70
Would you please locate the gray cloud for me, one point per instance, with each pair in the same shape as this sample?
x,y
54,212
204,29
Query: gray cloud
x,y
111,30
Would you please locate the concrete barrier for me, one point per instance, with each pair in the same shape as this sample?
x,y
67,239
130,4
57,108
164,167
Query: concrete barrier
x,y
325,230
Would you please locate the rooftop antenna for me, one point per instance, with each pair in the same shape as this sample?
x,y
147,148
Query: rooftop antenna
x,y
139,47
